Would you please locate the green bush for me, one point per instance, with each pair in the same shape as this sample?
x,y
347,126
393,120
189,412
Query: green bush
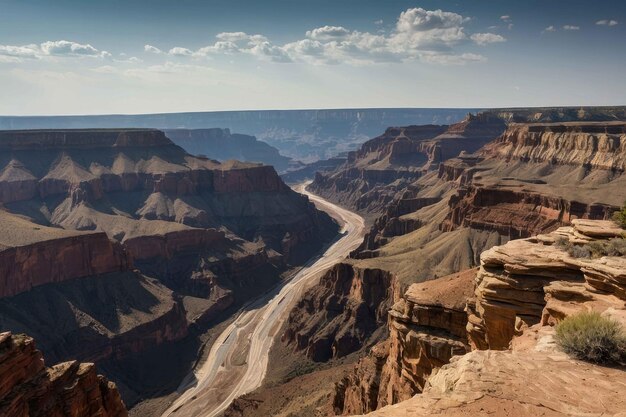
x,y
620,216
591,337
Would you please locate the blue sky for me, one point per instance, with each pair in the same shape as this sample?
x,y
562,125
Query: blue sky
x,y
142,56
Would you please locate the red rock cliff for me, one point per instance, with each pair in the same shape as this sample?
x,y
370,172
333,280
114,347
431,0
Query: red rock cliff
x,y
28,388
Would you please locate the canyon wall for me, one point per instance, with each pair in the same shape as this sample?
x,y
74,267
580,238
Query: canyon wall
x,y
338,315
30,389
25,267
223,145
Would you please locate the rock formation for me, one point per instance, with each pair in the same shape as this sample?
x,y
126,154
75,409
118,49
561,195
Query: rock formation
x,y
68,389
536,280
223,145
338,315
426,327
117,242
521,290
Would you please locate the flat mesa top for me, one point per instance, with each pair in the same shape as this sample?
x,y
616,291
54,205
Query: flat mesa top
x,y
82,138
18,231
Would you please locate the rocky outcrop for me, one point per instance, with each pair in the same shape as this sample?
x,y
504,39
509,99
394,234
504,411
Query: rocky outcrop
x,y
338,315
517,384
536,280
223,145
58,260
516,213
68,389
427,328
599,145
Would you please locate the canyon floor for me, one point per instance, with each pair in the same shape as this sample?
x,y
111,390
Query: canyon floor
x,y
237,362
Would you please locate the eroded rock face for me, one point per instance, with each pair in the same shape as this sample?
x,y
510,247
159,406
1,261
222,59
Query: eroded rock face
x,y
364,181
58,260
516,214
68,389
516,384
594,145
336,317
426,329
384,166
535,280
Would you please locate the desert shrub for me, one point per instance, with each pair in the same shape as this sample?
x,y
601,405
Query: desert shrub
x,y
616,247
620,216
591,337
573,250
596,249
579,252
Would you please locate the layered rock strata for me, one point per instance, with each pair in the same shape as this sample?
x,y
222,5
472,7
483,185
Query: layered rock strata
x,y
337,316
68,389
427,328
536,280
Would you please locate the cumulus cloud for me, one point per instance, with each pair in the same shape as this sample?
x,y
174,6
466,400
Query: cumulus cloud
x,y
152,49
487,38
550,28
571,27
178,51
607,22
427,35
61,48
67,48
506,18
328,33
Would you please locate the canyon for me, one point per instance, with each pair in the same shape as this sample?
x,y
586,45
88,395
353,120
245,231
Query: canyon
x,y
223,145
120,247
440,295
402,306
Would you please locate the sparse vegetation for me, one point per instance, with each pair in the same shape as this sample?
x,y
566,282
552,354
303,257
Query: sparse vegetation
x,y
589,336
596,249
620,216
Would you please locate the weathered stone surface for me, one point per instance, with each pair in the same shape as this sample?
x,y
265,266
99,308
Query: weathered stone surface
x,y
517,384
336,316
535,280
27,388
427,328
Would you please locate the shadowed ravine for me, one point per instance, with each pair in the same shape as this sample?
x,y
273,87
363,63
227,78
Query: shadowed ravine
x,y
238,359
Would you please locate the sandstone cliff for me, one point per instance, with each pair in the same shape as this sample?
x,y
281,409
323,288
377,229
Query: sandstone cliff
x,y
68,389
427,327
511,303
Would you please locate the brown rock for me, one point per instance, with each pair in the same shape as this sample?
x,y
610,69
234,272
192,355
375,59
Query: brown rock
x,y
67,389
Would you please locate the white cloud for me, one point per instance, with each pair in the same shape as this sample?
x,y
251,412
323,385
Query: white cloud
x,y
487,38
378,22
178,51
550,28
607,22
61,48
328,33
571,27
427,35
505,18
67,48
152,49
